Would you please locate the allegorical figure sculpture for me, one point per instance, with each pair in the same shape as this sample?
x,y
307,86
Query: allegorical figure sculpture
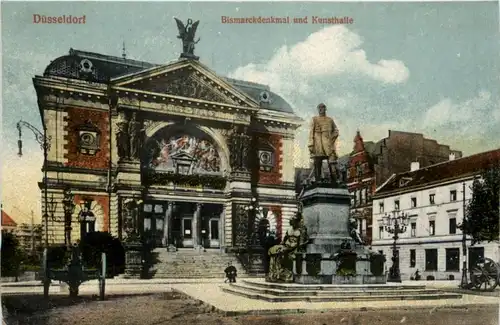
x,y
322,140
134,131
283,255
186,34
122,140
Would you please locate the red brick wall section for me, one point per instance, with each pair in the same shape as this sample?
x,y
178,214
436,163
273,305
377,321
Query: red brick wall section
x,y
279,220
77,117
103,201
274,177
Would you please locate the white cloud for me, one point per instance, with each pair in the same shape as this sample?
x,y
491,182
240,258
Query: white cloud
x,y
447,111
331,51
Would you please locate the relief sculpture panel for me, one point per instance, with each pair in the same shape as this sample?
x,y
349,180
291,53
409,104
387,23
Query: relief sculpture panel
x,y
184,154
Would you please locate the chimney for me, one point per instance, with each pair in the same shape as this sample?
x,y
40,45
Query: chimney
x,y
452,156
414,166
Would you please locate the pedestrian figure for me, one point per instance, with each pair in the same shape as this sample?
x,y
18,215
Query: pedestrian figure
x,y
231,273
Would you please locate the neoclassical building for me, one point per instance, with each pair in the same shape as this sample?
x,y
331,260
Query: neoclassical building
x,y
173,149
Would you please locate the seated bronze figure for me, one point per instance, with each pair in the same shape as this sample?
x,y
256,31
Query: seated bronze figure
x,y
283,255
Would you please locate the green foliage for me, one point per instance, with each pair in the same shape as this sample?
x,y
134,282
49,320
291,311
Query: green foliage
x,y
96,243
482,213
346,263
57,257
211,181
12,255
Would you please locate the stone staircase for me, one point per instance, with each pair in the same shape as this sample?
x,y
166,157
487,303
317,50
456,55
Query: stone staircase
x,y
190,263
274,292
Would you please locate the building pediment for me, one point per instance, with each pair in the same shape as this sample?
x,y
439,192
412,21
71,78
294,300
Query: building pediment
x,y
185,79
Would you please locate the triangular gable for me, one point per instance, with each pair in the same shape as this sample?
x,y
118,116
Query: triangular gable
x,y
182,156
188,79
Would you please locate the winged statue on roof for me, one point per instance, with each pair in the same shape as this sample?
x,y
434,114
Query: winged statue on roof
x,y
186,34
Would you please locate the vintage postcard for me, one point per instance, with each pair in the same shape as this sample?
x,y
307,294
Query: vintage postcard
x,y
250,163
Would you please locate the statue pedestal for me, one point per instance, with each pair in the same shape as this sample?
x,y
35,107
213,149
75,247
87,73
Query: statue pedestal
x,y
189,56
129,173
326,217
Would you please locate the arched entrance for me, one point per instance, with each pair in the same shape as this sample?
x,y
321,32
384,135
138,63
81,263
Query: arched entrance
x,y
183,159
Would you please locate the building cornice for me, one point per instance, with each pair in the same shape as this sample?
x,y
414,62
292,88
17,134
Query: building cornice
x,y
426,186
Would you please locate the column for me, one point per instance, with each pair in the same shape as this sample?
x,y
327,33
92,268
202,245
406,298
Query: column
x,y
197,226
222,235
167,240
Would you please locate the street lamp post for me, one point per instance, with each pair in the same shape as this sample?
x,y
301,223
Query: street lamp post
x,y
464,283
52,208
44,141
253,208
395,224
69,208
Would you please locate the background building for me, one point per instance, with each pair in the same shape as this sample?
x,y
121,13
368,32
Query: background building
x,y
29,236
8,224
434,198
371,164
191,147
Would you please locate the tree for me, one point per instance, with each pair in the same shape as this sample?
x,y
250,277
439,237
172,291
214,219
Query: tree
x,y
482,213
12,255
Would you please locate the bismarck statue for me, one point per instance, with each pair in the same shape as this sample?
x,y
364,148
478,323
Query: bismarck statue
x,y
186,34
322,141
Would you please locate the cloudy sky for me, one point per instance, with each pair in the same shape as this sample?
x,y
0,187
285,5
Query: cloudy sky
x,y
431,68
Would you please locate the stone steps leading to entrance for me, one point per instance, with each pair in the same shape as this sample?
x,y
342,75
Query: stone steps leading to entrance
x,y
190,263
274,292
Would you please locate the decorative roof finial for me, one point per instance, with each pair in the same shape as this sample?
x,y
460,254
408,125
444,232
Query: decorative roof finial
x,y
186,34
124,53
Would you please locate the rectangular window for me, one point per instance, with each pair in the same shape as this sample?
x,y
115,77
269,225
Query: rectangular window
x,y
396,205
413,258
158,208
432,198
431,259
453,195
187,227
432,227
381,207
380,232
413,230
148,207
453,226
453,259
413,202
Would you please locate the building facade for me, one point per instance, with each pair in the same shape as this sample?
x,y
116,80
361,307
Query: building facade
x,y
29,236
172,150
371,164
361,185
8,224
434,198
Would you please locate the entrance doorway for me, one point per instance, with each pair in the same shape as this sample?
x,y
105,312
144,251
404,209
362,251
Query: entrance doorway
x,y
153,222
214,233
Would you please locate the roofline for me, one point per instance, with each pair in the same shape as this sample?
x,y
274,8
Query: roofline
x,y
385,183
447,181
112,58
409,173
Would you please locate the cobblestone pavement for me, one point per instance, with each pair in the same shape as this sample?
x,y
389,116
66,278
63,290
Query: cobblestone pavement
x,y
173,308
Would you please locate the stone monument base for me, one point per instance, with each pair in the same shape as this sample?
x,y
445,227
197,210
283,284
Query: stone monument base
x,y
332,256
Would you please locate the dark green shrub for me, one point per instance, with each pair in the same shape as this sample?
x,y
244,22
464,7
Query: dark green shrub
x,y
57,257
12,255
96,243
